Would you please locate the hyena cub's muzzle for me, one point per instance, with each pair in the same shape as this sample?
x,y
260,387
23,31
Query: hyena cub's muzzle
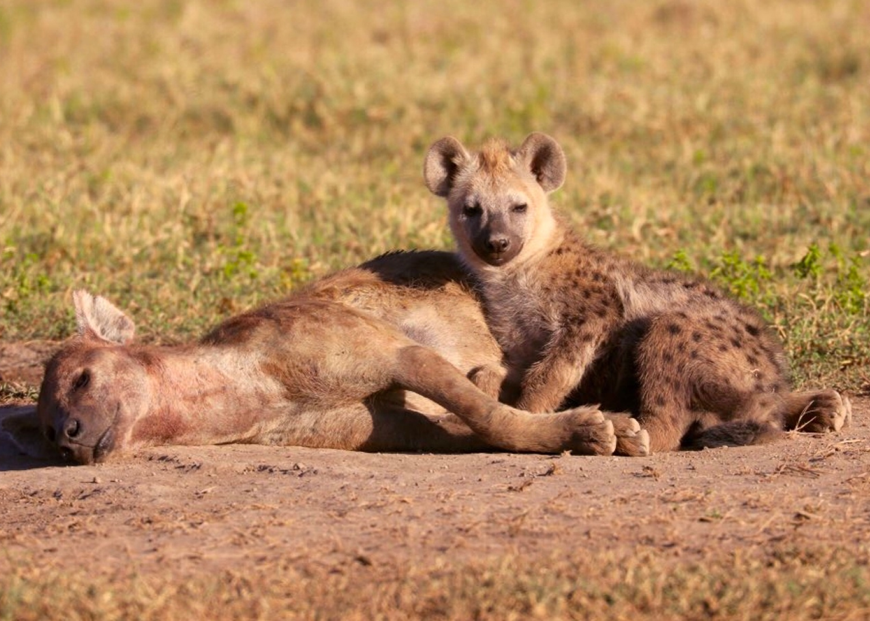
x,y
495,243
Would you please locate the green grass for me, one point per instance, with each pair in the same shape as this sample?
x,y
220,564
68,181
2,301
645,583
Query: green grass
x,y
189,160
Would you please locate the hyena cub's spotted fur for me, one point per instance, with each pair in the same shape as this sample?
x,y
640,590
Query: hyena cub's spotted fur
x,y
577,324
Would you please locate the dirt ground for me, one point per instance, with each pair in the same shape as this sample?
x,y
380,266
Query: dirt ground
x,y
202,509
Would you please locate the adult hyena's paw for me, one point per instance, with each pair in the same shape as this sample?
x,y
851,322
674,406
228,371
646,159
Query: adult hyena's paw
x,y
825,410
488,378
631,440
592,433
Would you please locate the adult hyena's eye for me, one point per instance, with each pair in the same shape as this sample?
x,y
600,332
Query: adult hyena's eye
x,y
82,380
472,211
521,208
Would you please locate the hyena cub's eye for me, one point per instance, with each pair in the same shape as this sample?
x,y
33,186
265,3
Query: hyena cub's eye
x,y
472,211
82,380
521,208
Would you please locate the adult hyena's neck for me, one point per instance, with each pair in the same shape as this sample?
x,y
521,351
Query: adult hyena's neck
x,y
207,395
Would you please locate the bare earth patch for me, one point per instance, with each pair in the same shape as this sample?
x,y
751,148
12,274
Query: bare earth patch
x,y
22,363
196,511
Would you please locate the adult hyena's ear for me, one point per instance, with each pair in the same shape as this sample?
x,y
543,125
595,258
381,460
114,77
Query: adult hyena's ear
x,y
545,159
443,161
97,318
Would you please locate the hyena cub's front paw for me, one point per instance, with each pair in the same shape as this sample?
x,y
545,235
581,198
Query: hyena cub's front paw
x,y
631,440
592,433
826,410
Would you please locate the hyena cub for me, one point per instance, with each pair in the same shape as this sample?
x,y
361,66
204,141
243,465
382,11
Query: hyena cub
x,y
579,325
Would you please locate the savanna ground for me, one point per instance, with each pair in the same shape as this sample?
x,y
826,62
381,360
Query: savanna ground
x,y
192,159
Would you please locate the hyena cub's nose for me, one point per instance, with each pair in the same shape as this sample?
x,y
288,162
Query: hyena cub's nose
x,y
497,245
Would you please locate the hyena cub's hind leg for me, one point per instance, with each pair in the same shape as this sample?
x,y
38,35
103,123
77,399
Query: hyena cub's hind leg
x,y
709,378
756,418
817,411
766,416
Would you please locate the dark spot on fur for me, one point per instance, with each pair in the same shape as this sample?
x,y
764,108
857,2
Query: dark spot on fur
x,y
752,330
723,347
660,401
696,336
560,251
737,344
667,357
674,328
712,326
694,354
681,347
752,360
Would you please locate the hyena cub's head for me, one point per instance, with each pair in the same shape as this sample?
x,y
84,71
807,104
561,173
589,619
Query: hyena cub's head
x,y
497,196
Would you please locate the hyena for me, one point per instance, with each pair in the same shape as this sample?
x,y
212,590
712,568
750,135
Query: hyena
x,y
372,358
580,325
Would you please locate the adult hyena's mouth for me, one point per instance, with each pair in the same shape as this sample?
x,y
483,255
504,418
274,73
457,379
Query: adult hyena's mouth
x,y
85,454
104,445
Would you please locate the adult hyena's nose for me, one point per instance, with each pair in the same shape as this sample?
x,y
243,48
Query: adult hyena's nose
x,y
72,428
498,244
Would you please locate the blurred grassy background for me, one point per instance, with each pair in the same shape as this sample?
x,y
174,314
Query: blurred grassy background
x,y
191,159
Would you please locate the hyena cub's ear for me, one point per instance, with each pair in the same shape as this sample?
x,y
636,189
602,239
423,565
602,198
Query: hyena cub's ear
x,y
443,161
97,318
545,159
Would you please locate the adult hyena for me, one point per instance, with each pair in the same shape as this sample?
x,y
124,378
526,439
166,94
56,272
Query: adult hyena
x,y
580,325
372,358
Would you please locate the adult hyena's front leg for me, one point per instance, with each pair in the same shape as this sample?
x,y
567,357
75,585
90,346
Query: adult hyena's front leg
x,y
581,430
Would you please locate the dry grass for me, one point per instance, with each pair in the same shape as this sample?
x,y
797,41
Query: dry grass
x,y
785,584
191,159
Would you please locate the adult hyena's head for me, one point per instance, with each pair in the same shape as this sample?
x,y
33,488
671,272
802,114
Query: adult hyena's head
x,y
497,196
95,387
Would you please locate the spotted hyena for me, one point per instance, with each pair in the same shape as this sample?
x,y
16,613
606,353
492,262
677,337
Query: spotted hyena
x,y
580,325
373,358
